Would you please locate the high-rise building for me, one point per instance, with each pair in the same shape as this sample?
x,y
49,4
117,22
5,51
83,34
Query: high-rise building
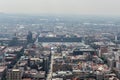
x,y
117,58
2,72
14,74
46,64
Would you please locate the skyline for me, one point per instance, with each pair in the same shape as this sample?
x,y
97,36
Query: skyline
x,y
74,7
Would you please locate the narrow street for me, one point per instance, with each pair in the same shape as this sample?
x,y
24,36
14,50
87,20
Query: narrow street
x,y
49,77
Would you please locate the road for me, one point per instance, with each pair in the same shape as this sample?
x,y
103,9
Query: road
x,y
49,76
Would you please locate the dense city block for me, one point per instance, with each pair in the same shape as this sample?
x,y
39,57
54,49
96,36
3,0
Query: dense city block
x,y
59,47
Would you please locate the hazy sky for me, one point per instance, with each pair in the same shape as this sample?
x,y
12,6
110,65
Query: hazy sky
x,y
101,7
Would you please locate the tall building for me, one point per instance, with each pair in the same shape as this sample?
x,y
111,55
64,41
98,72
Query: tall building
x,y
103,49
2,72
14,74
117,58
116,38
46,64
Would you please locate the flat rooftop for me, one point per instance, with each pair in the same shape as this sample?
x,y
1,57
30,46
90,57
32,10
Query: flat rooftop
x,y
15,70
2,68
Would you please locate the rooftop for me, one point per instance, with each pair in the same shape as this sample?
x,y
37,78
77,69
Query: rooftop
x,y
16,70
2,68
